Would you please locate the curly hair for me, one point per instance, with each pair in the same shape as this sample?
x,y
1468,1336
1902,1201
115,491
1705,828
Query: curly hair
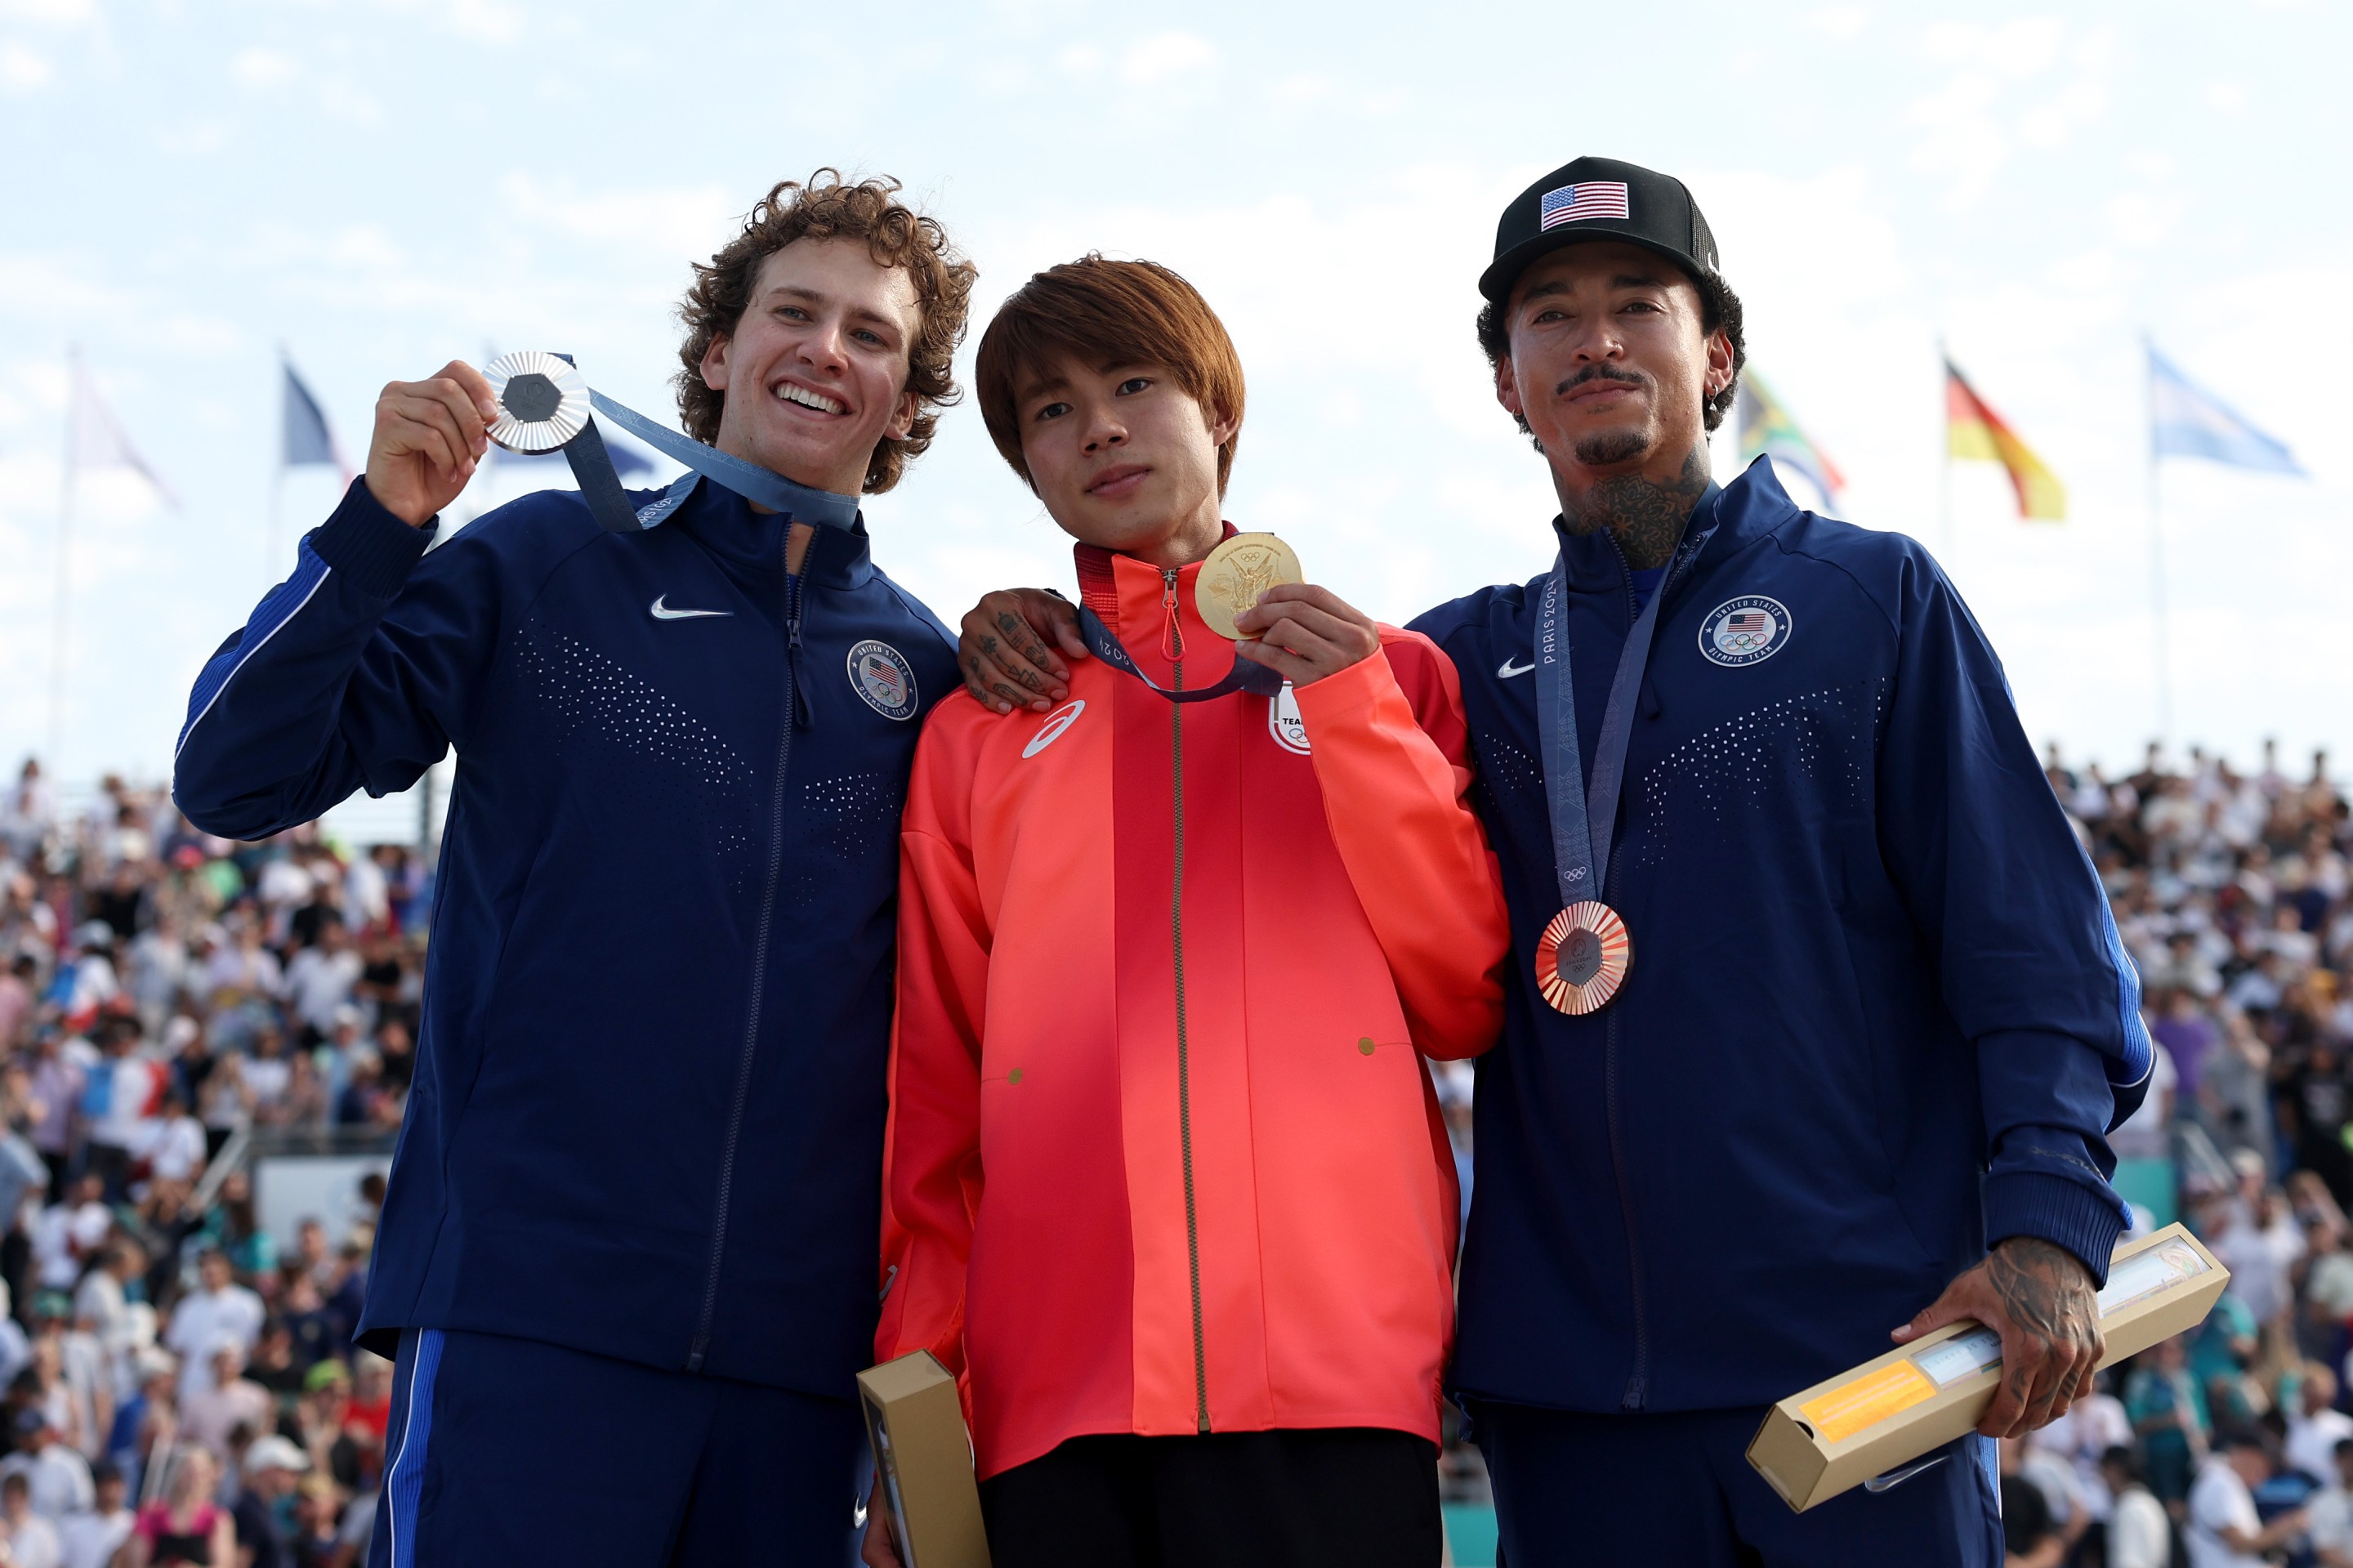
x,y
1719,310
830,207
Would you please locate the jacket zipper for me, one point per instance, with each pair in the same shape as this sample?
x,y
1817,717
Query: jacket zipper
x,y
701,1343
1172,644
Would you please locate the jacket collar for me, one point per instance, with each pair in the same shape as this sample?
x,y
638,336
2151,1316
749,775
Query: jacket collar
x,y
1131,597
1750,507
724,524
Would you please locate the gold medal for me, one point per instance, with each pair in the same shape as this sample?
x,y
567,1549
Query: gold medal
x,y
1236,576
1582,958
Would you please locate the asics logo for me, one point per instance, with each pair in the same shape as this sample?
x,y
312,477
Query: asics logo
x,y
662,611
1507,669
1058,721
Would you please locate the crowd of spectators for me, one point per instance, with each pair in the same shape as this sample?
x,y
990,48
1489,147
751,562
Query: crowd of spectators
x,y
2232,1445
179,1385
177,1381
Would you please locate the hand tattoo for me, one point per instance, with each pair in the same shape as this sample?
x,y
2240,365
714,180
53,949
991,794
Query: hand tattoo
x,y
989,646
1647,516
2042,1287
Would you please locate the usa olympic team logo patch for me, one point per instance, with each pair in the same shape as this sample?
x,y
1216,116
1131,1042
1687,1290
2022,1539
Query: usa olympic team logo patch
x,y
880,674
1746,630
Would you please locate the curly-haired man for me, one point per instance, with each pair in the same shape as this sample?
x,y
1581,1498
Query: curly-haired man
x,y
635,1201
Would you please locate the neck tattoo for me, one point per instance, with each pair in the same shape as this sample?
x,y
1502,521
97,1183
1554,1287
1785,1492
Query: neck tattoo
x,y
1646,514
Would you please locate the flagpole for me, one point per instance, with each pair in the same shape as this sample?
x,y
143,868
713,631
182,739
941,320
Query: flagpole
x,y
60,636
2157,558
1944,449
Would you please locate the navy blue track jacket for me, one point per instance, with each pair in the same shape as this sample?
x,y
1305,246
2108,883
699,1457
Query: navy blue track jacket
x,y
1877,1016
647,1114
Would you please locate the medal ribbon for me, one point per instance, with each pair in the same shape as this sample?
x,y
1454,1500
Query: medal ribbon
x,y
1585,820
600,486
1245,676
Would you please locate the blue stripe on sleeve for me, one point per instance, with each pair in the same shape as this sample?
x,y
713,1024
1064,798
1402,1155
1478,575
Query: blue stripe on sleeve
x,y
268,618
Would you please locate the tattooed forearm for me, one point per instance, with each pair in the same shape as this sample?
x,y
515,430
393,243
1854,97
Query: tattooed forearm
x,y
1647,516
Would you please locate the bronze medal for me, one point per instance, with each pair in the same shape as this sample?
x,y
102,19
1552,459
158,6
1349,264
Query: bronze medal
x,y
1582,958
1237,575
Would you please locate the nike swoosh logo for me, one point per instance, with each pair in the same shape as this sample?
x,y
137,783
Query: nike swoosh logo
x,y
1507,669
662,611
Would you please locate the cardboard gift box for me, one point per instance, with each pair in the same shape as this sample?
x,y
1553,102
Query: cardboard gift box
x,y
1882,1415
914,1422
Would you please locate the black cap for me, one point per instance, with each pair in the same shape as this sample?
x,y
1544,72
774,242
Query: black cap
x,y
1598,199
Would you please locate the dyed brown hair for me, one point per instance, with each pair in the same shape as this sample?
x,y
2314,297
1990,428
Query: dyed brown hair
x,y
1105,314
830,207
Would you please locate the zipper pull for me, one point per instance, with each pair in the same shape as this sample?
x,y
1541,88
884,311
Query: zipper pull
x,y
1172,631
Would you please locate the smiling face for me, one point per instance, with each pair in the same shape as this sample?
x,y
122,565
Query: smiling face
x,y
1123,457
815,372
1609,363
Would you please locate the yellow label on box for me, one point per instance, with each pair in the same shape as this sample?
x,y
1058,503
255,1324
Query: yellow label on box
x,y
1849,1408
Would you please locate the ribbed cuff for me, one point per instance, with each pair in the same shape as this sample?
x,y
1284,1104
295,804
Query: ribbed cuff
x,y
2064,1212
372,548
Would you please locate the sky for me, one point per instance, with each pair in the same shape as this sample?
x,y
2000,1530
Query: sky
x,y
375,188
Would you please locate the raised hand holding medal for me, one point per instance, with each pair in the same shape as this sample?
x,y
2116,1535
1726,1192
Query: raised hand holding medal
x,y
1251,588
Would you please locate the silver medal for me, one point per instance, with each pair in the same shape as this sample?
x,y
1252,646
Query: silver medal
x,y
542,400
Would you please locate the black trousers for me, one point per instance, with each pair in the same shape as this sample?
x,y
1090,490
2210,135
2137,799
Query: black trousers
x,y
1349,1497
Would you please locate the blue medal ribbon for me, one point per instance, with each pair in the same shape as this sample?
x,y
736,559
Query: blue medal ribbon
x,y
600,487
1245,676
1585,819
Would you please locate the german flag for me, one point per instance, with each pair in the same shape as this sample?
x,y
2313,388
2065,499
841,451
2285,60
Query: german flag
x,y
1973,431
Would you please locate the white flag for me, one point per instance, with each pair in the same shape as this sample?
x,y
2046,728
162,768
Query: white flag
x,y
97,441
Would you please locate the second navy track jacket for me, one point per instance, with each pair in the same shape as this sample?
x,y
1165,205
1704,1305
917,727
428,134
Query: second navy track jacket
x,y
1877,1016
647,1114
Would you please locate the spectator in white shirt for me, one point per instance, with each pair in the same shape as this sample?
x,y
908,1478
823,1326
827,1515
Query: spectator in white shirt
x,y
218,1309
2139,1535
103,1307
91,1539
70,1233
321,977
32,1541
57,1476
2259,1255
2315,1429
2328,1514
174,1145
2223,1529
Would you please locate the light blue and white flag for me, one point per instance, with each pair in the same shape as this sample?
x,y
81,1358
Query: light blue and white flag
x,y
2186,420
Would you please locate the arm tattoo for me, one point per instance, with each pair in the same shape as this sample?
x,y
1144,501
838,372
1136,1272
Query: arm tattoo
x,y
1647,516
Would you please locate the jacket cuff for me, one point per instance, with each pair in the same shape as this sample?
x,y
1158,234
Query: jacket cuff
x,y
2064,1212
1336,696
372,548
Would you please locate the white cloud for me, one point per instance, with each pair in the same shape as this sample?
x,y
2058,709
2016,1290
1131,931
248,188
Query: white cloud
x,y
1838,23
50,13
262,68
23,68
1166,55
2229,97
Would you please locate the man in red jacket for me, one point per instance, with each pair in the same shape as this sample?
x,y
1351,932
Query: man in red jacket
x,y
1166,1181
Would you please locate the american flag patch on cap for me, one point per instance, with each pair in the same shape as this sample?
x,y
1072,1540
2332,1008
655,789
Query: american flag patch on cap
x,y
1588,199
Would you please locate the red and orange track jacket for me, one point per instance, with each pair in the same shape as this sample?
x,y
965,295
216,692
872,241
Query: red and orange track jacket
x,y
1163,1157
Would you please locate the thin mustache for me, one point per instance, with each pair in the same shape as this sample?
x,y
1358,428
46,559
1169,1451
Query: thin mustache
x,y
1600,373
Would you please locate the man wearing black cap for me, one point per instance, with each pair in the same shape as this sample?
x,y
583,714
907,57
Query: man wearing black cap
x,y
1814,996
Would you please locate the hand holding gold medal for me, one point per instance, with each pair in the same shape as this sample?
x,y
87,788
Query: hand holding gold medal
x,y
1251,588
